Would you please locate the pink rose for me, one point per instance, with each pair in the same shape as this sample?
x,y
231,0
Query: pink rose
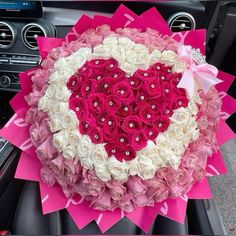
x,y
103,202
143,200
34,115
135,186
126,203
33,98
39,132
46,150
117,190
47,176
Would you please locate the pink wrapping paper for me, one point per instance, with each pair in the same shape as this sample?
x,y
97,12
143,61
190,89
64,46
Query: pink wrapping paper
x,y
52,197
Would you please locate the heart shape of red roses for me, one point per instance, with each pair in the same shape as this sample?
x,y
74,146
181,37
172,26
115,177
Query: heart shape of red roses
x,y
124,111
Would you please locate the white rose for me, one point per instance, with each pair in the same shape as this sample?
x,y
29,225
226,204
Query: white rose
x,y
126,42
151,152
118,53
43,104
74,137
55,124
131,56
181,116
85,147
177,132
86,163
99,155
69,152
168,155
134,166
102,51
76,61
143,60
59,108
147,169
118,169
84,51
191,130
177,147
51,91
102,173
128,68
155,55
179,66
196,98
62,93
60,140
174,162
168,57
140,48
193,107
110,41
69,120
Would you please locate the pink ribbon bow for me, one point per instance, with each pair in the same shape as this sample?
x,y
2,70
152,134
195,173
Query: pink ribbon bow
x,y
203,75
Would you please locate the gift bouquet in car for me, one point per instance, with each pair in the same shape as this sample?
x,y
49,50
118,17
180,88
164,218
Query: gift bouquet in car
x,y
122,119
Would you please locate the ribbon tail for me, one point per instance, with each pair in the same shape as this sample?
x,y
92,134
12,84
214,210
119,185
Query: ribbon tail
x,y
187,82
206,80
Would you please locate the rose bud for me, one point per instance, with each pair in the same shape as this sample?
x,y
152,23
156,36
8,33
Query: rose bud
x,y
88,87
80,107
132,124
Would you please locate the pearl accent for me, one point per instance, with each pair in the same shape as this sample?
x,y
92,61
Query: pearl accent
x,y
96,62
132,82
167,90
77,109
86,125
95,104
105,86
145,74
137,139
148,116
131,125
87,88
122,92
142,97
122,140
126,108
73,83
160,125
153,107
110,122
127,153
152,86
96,136
150,133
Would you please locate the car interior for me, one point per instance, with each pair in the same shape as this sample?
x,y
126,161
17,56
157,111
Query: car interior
x,y
20,24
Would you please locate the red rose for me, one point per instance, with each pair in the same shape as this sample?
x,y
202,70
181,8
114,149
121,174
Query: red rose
x,y
147,115
158,67
112,148
175,78
180,102
162,123
85,126
156,104
79,106
111,64
132,124
150,132
134,82
117,74
96,135
112,103
105,85
97,64
124,111
138,141
123,91
74,82
96,102
125,153
88,87
110,125
152,87
85,71
145,74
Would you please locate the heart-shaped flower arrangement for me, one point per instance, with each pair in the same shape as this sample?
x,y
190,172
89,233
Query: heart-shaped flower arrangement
x,y
111,123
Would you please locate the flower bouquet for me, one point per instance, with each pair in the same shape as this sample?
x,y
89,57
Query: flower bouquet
x,y
123,118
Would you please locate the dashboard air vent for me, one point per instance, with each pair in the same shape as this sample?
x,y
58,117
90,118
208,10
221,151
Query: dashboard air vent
x,y
6,35
181,21
30,33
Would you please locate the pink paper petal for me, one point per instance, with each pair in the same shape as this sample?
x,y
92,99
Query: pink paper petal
x,y
47,44
17,125
154,13
174,209
100,20
228,105
224,133
144,217
25,79
82,24
107,219
122,17
81,220
216,165
228,80
195,38
52,198
144,22
19,104
200,190
28,167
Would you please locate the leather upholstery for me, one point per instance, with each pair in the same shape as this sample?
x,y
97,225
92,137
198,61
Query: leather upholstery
x,y
30,220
